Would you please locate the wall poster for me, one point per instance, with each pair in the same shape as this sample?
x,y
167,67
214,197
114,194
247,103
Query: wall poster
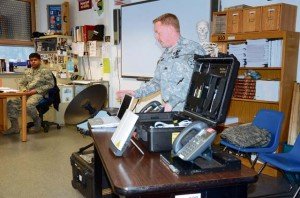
x,y
54,17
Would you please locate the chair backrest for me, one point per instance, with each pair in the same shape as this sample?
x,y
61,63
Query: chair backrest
x,y
270,120
296,148
53,97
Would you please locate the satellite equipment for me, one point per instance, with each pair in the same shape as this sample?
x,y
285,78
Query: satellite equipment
x,y
86,104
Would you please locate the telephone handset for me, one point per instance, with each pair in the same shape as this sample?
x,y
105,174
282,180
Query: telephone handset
x,y
153,106
193,141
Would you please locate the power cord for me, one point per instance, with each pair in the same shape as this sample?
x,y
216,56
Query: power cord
x,y
136,105
183,123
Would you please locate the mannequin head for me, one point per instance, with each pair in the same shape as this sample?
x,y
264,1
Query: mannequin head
x,y
203,29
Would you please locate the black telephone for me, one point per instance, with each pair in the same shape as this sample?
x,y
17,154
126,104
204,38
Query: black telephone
x,y
193,141
153,106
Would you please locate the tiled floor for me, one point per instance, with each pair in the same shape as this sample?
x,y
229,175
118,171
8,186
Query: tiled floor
x,y
41,167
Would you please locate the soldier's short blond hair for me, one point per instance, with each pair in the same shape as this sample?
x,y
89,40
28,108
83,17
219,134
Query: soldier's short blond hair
x,y
168,19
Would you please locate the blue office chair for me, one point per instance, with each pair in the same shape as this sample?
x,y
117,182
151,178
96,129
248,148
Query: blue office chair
x,y
288,162
269,120
52,98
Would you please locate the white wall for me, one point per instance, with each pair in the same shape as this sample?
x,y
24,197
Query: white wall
x,y
41,13
91,17
228,3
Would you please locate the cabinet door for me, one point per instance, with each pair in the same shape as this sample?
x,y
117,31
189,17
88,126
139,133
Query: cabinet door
x,y
271,17
234,21
252,20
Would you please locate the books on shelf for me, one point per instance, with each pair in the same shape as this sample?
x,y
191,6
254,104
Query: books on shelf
x,y
87,32
83,33
244,88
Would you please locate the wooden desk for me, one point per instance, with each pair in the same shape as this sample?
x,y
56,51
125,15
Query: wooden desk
x,y
3,97
146,176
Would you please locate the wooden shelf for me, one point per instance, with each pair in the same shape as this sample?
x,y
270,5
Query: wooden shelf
x,y
16,42
252,35
253,100
47,52
260,68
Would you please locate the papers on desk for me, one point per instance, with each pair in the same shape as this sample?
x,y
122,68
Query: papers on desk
x,y
104,129
82,82
8,90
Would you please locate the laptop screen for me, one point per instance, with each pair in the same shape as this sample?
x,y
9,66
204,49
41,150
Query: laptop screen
x,y
125,105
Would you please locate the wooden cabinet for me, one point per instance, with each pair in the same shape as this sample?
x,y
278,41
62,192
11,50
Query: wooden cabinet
x,y
234,21
245,109
252,19
279,17
275,17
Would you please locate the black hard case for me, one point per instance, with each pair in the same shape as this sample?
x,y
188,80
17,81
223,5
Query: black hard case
x,y
200,104
83,174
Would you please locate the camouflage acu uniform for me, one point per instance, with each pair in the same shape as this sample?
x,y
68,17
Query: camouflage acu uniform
x,y
41,80
173,74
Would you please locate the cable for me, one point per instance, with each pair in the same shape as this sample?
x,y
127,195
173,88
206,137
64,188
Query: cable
x,y
136,104
183,123
89,66
83,66
117,66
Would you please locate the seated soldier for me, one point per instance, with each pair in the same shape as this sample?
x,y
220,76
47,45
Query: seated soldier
x,y
36,83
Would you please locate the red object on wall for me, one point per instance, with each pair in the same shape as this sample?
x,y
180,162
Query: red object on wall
x,y
84,4
87,31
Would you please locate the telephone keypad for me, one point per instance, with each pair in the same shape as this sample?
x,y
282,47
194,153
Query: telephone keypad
x,y
195,143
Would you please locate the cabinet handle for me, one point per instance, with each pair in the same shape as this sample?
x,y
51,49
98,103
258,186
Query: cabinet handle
x,y
252,16
270,13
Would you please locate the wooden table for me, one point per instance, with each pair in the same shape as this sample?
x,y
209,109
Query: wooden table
x,y
22,95
137,175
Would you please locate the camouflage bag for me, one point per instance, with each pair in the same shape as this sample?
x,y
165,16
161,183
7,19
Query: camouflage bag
x,y
247,135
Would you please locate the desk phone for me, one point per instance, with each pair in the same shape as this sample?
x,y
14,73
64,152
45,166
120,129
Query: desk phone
x,y
193,141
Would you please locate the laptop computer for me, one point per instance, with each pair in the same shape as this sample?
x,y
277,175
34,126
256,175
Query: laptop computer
x,y
112,121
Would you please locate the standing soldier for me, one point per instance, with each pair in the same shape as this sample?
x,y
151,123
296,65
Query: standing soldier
x,y
36,83
174,68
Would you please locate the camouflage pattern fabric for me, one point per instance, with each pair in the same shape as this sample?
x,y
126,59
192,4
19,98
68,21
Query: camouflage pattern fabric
x,y
39,79
247,135
173,74
14,106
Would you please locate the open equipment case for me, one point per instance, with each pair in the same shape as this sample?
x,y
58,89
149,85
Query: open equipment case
x,y
208,100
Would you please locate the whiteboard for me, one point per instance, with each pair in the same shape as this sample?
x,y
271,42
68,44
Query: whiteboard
x,y
139,49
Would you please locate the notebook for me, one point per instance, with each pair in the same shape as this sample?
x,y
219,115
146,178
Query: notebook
x,y
112,121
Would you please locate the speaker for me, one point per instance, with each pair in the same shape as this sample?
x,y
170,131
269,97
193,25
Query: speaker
x,y
117,26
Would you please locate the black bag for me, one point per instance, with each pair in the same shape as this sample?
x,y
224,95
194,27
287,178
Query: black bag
x,y
82,163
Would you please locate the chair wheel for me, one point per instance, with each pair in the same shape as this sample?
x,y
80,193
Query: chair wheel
x,y
46,128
